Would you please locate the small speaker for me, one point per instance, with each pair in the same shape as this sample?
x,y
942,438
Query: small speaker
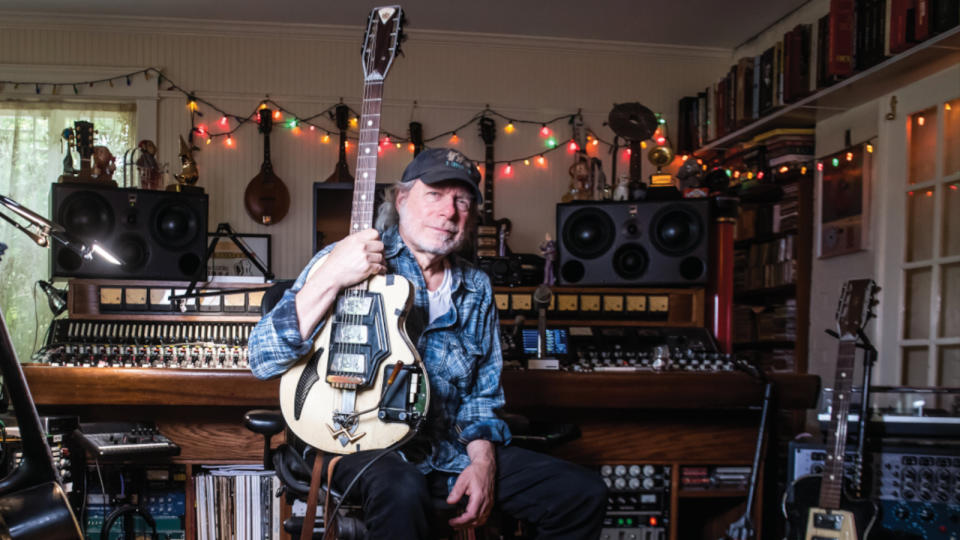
x,y
158,235
516,270
633,243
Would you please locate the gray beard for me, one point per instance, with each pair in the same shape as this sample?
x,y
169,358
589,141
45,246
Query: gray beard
x,y
443,250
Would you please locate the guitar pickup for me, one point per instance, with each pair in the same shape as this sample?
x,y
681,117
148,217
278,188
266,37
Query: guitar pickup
x,y
344,380
831,522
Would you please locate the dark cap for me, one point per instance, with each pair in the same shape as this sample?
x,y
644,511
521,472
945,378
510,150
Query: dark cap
x,y
441,164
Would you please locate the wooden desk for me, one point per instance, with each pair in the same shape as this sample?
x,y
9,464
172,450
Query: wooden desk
x,y
666,418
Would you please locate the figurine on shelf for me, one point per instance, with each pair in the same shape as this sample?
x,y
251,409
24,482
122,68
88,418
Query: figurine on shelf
x,y
150,175
188,171
622,191
104,164
548,249
580,188
67,135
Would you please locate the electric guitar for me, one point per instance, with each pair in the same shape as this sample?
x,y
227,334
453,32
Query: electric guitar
x,y
363,386
491,233
818,506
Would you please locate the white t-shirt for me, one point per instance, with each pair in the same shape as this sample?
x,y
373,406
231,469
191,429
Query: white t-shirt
x,y
440,301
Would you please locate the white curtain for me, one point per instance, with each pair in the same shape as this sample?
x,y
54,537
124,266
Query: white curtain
x,y
31,159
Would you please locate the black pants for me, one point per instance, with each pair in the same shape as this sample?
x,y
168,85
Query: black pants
x,y
560,499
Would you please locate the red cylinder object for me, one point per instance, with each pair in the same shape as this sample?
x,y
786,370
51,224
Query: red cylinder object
x,y
720,293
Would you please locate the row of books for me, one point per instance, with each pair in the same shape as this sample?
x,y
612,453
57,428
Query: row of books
x,y
766,264
855,35
237,503
772,323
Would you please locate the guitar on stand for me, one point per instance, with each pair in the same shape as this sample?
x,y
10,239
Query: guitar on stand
x,y
341,172
818,506
491,233
363,386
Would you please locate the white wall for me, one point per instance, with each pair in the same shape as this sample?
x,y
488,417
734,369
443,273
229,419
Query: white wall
x,y
307,68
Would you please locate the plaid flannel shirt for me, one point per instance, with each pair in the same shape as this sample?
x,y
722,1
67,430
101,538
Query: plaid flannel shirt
x,y
460,349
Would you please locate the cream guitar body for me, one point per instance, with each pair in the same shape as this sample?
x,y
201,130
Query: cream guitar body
x,y
832,524
337,398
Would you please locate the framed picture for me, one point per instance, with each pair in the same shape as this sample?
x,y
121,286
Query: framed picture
x,y
228,261
843,189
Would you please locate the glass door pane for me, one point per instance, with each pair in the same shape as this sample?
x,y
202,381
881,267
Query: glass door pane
x,y
920,225
951,137
922,145
951,219
950,301
916,319
949,374
914,366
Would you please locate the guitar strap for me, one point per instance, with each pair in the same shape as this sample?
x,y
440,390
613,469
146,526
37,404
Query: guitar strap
x,y
329,520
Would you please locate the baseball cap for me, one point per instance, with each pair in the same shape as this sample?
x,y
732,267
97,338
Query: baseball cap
x,y
441,164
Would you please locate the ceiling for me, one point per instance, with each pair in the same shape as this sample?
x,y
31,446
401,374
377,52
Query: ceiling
x,y
701,23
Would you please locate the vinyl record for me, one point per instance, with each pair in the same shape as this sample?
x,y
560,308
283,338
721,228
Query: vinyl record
x,y
632,121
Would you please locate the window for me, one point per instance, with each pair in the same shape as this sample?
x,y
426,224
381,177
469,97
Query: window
x,y
31,158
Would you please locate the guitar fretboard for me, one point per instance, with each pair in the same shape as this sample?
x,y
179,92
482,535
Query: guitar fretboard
x,y
361,216
831,486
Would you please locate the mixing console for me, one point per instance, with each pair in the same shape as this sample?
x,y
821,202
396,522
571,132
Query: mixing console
x,y
134,343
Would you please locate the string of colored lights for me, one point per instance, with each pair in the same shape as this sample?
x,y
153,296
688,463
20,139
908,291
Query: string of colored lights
x,y
295,122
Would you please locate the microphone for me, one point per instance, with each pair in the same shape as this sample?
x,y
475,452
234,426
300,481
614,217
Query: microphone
x,y
56,298
541,298
46,229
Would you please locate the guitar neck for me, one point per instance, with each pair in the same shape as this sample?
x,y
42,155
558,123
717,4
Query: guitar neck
x,y
488,166
831,485
361,215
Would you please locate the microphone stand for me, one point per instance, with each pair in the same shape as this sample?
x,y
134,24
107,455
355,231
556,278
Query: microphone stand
x,y
743,528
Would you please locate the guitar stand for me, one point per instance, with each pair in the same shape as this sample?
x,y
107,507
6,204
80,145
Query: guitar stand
x,y
743,528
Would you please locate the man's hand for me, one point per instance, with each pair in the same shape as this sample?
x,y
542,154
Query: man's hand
x,y
352,260
477,482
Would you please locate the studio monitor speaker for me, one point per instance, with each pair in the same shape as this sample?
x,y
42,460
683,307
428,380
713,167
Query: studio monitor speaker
x,y
159,235
638,243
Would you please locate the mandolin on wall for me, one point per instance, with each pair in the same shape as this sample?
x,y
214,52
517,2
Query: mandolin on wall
x,y
266,197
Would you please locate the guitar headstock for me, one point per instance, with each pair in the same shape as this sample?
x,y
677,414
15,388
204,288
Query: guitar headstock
x,y
579,133
488,129
266,120
83,132
381,43
857,300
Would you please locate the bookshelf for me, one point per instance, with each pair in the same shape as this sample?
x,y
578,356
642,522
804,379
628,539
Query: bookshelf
x,y
917,62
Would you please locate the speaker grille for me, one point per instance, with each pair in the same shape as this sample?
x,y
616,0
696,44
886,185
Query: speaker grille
x,y
676,229
588,233
174,224
86,214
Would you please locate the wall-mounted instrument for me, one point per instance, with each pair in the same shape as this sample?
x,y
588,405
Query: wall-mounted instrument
x,y
341,171
266,198
416,137
363,386
491,233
